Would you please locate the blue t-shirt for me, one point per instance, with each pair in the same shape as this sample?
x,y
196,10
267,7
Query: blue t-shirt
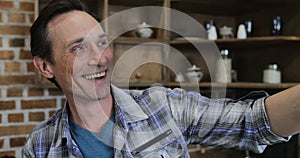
x,y
94,144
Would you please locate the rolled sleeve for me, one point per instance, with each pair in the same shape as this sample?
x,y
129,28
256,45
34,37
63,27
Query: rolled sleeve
x,y
242,124
269,136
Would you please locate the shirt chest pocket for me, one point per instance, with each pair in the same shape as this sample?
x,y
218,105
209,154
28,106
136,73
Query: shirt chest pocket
x,y
168,144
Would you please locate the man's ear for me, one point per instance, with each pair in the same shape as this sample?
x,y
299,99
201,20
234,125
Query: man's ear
x,y
43,66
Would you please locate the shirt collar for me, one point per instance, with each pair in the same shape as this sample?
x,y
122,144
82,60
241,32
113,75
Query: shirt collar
x,y
128,105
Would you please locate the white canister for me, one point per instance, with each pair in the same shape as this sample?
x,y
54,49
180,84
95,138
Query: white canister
x,y
212,33
223,68
272,74
241,33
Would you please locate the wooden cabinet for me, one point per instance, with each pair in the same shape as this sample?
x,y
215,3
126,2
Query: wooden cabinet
x,y
249,56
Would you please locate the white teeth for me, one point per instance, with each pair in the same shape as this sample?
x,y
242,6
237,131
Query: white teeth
x,y
94,76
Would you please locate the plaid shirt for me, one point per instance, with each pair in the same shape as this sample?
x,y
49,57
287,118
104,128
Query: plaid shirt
x,y
160,122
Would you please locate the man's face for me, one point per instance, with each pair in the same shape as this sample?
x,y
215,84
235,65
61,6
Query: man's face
x,y
82,57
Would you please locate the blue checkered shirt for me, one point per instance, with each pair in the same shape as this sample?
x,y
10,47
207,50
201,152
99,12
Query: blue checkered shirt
x,y
161,122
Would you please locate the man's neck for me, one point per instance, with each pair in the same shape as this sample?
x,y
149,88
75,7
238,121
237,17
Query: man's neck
x,y
92,115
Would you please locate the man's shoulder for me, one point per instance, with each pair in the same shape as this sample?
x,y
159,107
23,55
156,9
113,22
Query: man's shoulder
x,y
136,93
150,90
46,126
154,93
43,135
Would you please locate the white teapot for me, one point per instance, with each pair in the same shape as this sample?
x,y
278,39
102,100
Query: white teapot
x,y
194,74
144,31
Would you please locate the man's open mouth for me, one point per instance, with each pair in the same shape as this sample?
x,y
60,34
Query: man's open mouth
x,y
93,76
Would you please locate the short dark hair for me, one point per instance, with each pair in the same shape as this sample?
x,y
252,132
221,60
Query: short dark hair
x,y
41,43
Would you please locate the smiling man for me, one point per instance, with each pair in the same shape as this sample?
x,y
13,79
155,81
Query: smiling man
x,y
82,63
71,49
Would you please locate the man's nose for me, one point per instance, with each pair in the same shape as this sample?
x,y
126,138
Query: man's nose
x,y
98,56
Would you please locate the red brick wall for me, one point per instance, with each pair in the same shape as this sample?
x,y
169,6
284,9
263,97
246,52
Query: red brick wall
x,y
23,103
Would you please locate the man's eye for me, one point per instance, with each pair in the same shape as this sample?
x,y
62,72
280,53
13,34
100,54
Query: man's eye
x,y
77,48
102,43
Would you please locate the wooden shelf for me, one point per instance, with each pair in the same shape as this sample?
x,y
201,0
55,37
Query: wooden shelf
x,y
136,3
264,39
135,40
259,41
237,85
234,85
250,43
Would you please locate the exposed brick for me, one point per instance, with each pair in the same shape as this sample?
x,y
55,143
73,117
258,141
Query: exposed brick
x,y
35,92
1,143
14,92
17,142
25,54
14,30
8,153
15,130
18,117
36,116
12,67
30,67
16,18
27,6
55,92
17,79
31,18
6,54
7,105
17,42
63,101
36,104
51,113
6,5
1,20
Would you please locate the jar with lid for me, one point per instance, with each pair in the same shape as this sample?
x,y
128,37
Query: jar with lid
x,y
272,74
223,68
194,74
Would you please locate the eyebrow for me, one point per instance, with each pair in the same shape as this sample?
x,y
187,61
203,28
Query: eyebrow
x,y
79,40
104,35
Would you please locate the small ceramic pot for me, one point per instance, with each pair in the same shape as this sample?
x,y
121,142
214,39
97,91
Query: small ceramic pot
x,y
144,30
194,74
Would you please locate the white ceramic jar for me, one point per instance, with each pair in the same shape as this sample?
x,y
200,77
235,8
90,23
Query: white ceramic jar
x,y
212,33
144,30
272,74
241,33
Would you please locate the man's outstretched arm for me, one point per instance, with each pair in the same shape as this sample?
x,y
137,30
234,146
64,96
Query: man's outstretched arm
x,y
283,110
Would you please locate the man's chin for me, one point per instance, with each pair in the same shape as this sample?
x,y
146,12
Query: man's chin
x,y
101,93
93,90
